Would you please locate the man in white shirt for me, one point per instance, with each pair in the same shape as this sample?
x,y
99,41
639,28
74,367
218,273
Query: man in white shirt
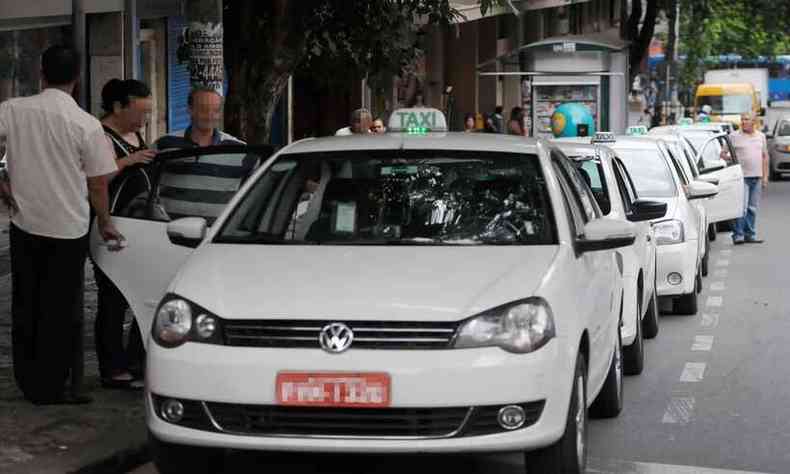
x,y
58,160
752,150
361,120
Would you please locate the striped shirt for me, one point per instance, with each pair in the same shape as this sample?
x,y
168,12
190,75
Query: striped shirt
x,y
201,186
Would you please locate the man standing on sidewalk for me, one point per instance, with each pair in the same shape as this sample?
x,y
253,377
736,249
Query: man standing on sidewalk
x,y
752,149
58,158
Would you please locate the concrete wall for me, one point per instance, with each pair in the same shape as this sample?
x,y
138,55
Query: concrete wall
x,y
486,49
460,69
105,53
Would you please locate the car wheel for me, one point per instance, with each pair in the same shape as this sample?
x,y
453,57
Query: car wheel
x,y
634,355
712,232
705,260
609,403
569,453
687,304
172,458
650,322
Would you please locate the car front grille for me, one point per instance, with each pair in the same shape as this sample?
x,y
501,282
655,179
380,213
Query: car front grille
x,y
343,422
784,166
367,334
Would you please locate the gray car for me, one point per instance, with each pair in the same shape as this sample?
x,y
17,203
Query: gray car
x,y
779,148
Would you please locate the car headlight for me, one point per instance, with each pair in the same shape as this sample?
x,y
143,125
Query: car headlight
x,y
669,232
178,321
519,327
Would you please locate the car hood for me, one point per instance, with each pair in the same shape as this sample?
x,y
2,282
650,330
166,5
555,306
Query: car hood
x,y
360,282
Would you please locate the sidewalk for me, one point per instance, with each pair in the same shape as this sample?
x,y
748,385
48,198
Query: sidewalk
x,y
93,438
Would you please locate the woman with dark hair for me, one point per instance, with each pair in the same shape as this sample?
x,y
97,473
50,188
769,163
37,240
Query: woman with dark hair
x,y
127,105
469,123
515,125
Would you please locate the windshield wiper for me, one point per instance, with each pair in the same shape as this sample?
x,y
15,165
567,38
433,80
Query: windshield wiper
x,y
260,239
404,242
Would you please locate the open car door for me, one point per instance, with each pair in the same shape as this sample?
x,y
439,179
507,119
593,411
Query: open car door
x,y
728,204
196,182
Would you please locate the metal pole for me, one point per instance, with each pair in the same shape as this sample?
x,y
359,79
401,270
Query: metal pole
x,y
78,37
131,43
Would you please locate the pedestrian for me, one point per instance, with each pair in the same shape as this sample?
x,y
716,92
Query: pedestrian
x,y
751,147
515,125
489,125
499,119
127,105
704,114
360,123
378,126
58,160
188,187
469,123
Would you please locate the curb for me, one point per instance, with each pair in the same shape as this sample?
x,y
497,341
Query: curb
x,y
122,461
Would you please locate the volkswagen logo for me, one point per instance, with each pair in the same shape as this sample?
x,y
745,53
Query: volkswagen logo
x,y
336,338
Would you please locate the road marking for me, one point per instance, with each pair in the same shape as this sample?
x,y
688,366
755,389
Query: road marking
x,y
721,273
714,301
693,372
722,263
718,286
680,410
710,320
702,343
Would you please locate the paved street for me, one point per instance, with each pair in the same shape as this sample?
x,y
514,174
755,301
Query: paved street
x,y
714,396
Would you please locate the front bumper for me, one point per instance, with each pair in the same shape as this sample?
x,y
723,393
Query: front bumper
x,y
420,379
677,258
780,161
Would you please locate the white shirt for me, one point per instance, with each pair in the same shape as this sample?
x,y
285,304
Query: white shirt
x,y
751,149
344,131
53,146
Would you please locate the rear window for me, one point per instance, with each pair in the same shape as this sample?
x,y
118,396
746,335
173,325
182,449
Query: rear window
x,y
649,171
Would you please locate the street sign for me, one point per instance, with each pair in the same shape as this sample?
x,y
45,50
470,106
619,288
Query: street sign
x,y
417,121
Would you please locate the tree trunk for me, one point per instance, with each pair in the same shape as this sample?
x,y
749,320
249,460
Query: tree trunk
x,y
641,41
264,44
204,43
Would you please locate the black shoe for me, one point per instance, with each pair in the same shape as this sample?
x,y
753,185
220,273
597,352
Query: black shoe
x,y
754,241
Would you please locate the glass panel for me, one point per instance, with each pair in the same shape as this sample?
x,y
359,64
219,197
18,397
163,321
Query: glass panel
x,y
649,171
727,104
396,198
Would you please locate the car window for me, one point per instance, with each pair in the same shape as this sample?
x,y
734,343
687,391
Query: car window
x,y
783,129
179,185
580,189
649,172
684,178
592,172
627,192
414,197
572,204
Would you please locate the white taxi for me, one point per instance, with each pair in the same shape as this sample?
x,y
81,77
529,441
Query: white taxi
x,y
616,196
409,292
681,234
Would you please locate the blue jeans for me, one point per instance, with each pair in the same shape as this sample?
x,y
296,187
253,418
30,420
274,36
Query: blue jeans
x,y
746,226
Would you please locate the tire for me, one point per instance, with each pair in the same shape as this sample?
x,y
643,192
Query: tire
x,y
650,322
569,453
609,402
172,458
687,304
634,355
704,265
712,232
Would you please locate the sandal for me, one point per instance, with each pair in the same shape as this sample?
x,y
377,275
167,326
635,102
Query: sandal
x,y
121,383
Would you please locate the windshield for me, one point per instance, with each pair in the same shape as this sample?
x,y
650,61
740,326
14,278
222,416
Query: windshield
x,y
396,198
726,104
649,171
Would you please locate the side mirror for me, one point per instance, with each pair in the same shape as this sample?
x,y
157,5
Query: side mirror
x,y
709,179
645,210
606,234
187,231
701,190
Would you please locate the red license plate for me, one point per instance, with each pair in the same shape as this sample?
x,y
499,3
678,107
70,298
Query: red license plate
x,y
363,390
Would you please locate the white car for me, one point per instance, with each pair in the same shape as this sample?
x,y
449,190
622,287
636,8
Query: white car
x,y
779,148
681,236
617,198
438,292
708,144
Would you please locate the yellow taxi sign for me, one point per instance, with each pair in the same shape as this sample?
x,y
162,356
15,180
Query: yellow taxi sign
x,y
417,121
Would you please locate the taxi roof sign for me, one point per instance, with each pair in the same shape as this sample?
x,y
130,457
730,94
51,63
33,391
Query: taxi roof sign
x,y
603,137
417,120
636,130
684,121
